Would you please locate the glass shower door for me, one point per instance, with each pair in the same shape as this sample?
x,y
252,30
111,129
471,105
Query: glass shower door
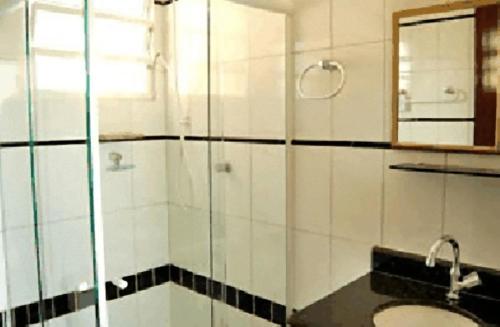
x,y
249,81
46,176
19,277
129,79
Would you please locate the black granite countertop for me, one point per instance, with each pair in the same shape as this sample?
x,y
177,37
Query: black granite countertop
x,y
355,304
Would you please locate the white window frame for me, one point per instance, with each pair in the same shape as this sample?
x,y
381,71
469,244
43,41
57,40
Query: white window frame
x,y
147,60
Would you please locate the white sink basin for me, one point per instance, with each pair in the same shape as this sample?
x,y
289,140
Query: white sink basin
x,y
420,316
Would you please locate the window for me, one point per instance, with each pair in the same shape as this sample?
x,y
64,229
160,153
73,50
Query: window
x,y
122,39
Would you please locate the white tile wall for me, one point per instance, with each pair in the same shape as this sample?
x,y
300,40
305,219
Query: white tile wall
x,y
189,239
184,303
227,316
4,302
344,18
15,184
250,212
238,252
269,183
267,85
235,186
22,277
124,312
358,112
347,200
61,182
13,104
413,203
269,259
312,189
328,255
471,212
59,116
153,307
311,268
119,244
117,185
349,261
187,173
356,200
149,177
67,256
151,234
233,108
85,317
312,24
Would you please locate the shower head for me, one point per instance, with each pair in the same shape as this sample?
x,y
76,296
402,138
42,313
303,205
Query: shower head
x,y
158,59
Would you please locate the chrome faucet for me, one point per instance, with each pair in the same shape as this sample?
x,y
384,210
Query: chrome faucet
x,y
456,285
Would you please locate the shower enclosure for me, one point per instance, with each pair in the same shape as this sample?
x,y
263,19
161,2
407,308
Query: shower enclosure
x,y
143,162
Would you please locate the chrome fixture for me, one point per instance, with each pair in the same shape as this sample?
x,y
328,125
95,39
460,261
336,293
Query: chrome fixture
x,y
120,283
223,167
458,96
328,65
116,158
456,285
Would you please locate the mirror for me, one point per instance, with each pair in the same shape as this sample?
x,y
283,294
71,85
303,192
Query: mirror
x,y
445,79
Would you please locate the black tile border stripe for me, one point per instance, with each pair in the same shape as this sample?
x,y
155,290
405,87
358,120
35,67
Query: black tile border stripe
x,y
42,143
348,144
64,304
436,20
83,142
436,120
142,138
164,2
354,144
145,138
235,139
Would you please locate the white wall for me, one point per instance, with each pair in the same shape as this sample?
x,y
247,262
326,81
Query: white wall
x,y
346,199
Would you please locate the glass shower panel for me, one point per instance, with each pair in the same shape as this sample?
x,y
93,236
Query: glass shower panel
x,y
46,220
130,80
18,256
248,118
188,164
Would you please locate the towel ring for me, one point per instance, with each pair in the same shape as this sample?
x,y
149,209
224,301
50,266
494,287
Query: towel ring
x,y
328,65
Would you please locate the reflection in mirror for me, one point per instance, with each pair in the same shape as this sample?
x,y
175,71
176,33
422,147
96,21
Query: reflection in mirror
x,y
446,93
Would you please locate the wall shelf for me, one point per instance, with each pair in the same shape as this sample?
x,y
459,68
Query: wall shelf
x,y
442,169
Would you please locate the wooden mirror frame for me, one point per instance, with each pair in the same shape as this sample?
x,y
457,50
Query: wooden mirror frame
x,y
397,16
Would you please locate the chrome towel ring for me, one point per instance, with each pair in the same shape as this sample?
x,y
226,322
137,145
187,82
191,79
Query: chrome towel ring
x,y
328,65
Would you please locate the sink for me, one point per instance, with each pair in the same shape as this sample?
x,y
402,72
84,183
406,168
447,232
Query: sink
x,y
421,316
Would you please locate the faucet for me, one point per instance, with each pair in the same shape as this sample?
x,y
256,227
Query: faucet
x,y
456,285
